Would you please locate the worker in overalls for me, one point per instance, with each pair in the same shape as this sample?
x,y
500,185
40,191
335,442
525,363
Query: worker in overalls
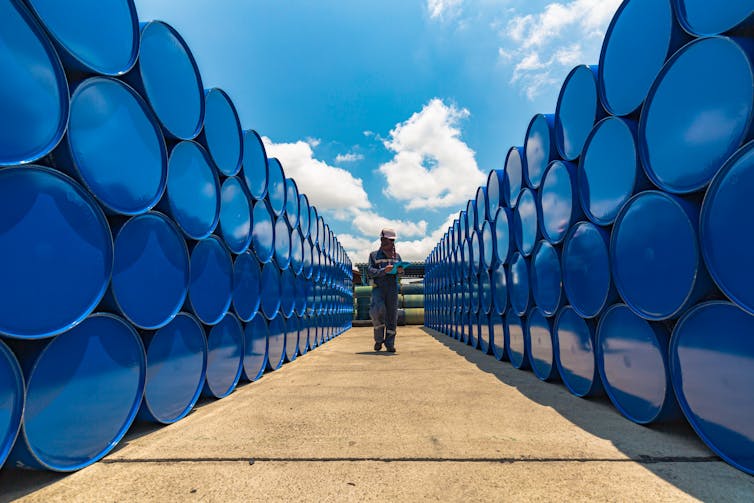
x,y
384,306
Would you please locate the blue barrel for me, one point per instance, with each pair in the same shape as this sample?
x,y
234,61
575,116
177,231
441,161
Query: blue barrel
x,y
542,355
95,371
475,300
12,394
483,323
499,280
559,206
313,222
487,245
481,205
518,284
476,251
624,78
632,357
485,291
307,261
256,334
263,231
92,36
287,292
577,111
726,231
276,342
501,238
115,146
192,191
282,243
472,322
517,345
291,339
170,80
655,257
574,343
712,368
297,251
540,148
222,133
303,335
254,161
211,287
301,294
150,271
225,353
513,176
247,286
546,278
176,370
34,90
708,85
276,193
271,290
526,222
495,197
586,269
56,252
304,215
699,18
609,170
498,336
292,209
235,215
472,217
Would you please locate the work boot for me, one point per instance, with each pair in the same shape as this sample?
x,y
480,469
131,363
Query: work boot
x,y
378,346
390,349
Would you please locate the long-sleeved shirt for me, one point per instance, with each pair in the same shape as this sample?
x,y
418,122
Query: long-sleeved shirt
x,y
378,261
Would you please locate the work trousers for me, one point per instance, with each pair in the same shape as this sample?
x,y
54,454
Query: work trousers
x,y
384,313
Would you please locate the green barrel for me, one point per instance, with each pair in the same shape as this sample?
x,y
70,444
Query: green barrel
x,y
414,315
412,288
413,301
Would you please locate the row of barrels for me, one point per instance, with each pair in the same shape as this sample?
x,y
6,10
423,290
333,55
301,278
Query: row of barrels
x,y
410,303
613,252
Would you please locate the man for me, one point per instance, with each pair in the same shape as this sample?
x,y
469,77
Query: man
x,y
384,306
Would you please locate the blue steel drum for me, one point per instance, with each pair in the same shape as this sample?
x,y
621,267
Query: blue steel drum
x,y
276,193
559,206
115,146
541,354
176,370
301,292
56,251
517,345
94,371
586,269
484,333
518,284
577,111
247,286
485,291
307,261
472,217
170,80
150,271
225,352
297,251
222,133
726,231
262,231
609,170
574,344
282,243
476,251
303,335
271,290
481,206
287,293
513,176
256,334
475,301
540,148
304,214
708,85
235,215
276,342
291,202
700,18
211,287
291,339
498,336
34,90
712,368
193,190
624,78
525,228
12,394
313,222
254,163
655,258
501,234
487,245
472,323
494,186
499,281
546,278
93,36
632,357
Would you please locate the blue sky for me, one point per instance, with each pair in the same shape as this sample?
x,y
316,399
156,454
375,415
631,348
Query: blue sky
x,y
388,113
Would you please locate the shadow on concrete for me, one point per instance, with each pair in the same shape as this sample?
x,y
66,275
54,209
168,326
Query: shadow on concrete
x,y
672,451
375,353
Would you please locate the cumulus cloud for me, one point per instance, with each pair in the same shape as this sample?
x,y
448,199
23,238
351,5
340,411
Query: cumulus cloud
x,y
349,157
327,187
432,167
443,9
370,223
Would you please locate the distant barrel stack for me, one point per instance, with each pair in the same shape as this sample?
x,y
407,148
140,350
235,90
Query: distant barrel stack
x,y
621,233
150,251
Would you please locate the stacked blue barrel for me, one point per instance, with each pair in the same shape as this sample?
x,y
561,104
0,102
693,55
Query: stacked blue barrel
x,y
614,250
150,251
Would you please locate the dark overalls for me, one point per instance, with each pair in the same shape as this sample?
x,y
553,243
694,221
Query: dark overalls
x,y
384,306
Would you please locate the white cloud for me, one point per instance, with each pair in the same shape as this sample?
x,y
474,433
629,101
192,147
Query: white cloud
x,y
370,223
327,187
444,9
432,166
349,157
313,142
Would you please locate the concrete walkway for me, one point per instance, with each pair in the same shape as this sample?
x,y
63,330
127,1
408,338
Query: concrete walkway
x,y
437,420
